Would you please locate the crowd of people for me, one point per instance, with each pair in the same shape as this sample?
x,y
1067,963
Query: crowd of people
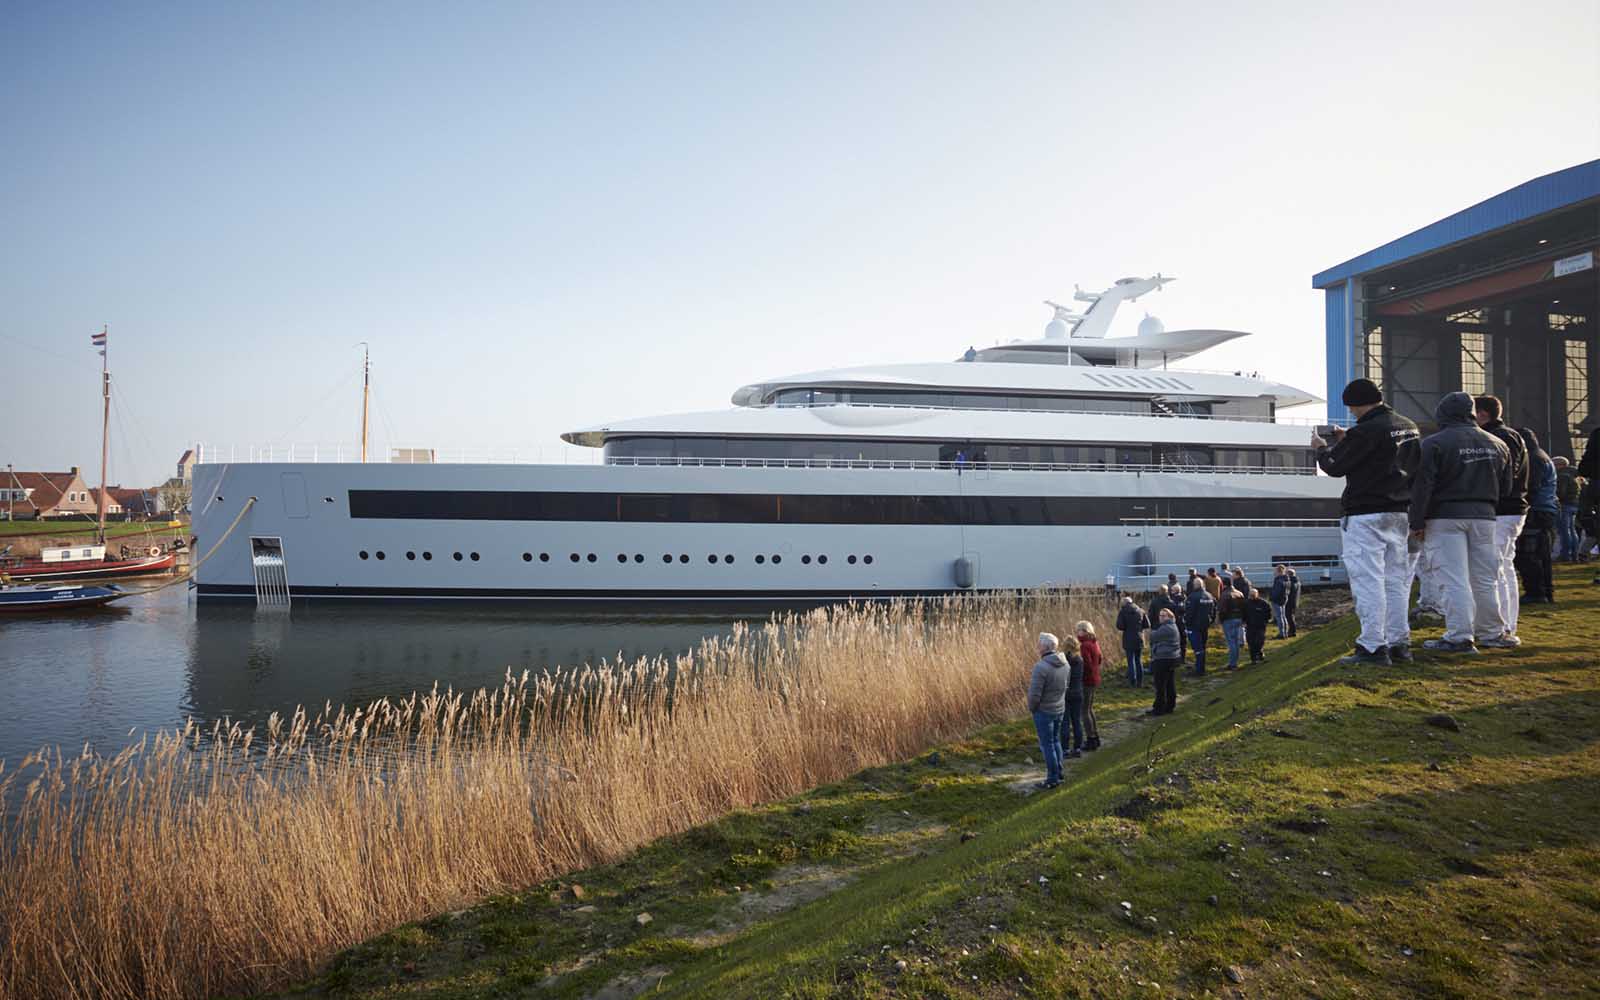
x,y
1462,512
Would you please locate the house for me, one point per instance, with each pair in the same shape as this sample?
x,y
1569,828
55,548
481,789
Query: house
x,y
133,501
46,494
186,467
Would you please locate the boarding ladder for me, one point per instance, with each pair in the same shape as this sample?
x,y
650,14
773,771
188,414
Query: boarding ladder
x,y
271,571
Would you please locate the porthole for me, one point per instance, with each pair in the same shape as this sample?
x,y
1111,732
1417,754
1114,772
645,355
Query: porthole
x,y
363,553
684,557
412,556
638,557
380,554
711,558
822,560
728,560
806,560
427,557
760,560
544,557
456,556
527,557
591,557
474,557
776,560
574,557
867,560
666,557
621,558
851,560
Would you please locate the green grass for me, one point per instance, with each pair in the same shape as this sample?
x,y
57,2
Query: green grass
x,y
1299,824
73,528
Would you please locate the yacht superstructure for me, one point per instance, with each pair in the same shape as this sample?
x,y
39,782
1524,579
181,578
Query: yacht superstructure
x,y
1068,459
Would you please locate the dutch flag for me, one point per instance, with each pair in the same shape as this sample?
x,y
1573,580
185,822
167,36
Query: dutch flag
x,y
98,340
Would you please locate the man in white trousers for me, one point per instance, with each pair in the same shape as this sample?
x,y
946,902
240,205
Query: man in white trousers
x,y
1462,474
1377,493
1511,512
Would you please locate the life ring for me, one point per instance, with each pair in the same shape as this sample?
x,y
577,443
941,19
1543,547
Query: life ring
x,y
155,550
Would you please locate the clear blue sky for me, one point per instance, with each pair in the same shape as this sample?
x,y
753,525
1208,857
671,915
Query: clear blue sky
x,y
545,216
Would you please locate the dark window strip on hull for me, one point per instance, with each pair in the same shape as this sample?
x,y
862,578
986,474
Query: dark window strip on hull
x,y
802,508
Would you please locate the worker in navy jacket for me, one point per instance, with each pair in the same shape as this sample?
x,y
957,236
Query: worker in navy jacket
x,y
1511,512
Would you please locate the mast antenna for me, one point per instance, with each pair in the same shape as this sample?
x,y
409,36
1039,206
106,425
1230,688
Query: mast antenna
x,y
366,394
105,431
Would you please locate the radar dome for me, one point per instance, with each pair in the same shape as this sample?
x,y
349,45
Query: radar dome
x,y
1151,326
1056,329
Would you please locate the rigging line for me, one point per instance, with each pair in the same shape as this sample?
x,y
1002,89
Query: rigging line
x,y
319,404
43,350
388,425
121,399
123,449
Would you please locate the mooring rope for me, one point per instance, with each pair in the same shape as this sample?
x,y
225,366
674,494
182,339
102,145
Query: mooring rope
x,y
197,563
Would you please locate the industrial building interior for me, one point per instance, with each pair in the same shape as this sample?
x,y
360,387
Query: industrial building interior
x,y
1511,312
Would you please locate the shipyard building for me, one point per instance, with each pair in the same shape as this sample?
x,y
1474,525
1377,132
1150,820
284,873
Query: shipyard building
x,y
1499,297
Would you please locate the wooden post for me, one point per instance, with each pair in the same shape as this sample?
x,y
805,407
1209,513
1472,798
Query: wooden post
x,y
366,396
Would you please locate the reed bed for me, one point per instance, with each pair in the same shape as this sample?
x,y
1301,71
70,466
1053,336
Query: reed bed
x,y
225,861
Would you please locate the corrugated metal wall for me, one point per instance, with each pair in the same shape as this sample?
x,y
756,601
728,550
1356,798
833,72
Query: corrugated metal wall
x,y
1339,349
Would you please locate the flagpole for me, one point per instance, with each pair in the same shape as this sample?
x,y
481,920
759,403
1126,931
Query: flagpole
x,y
105,426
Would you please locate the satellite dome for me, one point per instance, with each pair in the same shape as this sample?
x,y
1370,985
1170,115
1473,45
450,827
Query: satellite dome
x,y
1150,326
1056,329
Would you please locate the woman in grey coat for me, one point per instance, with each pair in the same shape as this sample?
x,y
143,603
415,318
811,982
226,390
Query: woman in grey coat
x,y
1047,700
1164,664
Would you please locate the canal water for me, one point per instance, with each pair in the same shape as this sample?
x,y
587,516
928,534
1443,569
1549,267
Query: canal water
x,y
151,661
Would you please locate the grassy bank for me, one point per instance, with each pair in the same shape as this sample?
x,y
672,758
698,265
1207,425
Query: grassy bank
x,y
1300,828
72,530
203,863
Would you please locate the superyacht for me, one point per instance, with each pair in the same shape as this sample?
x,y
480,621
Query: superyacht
x,y
1075,458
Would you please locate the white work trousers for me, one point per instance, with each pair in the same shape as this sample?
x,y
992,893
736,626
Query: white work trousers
x,y
1427,579
1506,529
1462,554
1379,568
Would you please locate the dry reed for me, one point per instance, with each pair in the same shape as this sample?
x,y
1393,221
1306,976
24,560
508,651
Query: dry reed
x,y
198,863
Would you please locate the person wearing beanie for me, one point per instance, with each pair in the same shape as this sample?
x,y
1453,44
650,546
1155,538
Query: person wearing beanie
x,y
1511,513
1462,474
1376,496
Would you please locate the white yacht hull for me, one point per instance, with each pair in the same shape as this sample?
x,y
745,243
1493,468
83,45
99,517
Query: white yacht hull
x,y
324,515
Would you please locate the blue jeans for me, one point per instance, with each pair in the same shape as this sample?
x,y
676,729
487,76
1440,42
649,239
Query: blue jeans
x,y
1197,642
1074,722
1048,726
1233,632
1135,656
1568,531
1281,617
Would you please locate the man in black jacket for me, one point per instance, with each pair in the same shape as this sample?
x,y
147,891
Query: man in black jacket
x,y
1461,475
1376,495
1511,512
1131,622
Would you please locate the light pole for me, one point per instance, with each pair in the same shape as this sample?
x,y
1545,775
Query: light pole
x,y
11,493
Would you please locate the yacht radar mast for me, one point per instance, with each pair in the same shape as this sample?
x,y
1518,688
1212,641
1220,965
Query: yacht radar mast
x,y
1096,320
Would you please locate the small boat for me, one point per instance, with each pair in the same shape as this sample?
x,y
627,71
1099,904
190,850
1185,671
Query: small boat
x,y
57,597
80,562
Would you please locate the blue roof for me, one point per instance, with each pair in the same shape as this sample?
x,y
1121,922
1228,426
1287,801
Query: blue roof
x,y
1523,202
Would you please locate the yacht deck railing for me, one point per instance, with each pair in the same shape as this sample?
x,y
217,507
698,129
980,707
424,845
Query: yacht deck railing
x,y
1308,422
320,454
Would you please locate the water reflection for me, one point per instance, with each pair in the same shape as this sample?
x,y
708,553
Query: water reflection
x,y
154,659
245,664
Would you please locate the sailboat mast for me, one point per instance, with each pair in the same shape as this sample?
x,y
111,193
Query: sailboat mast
x,y
366,396
105,429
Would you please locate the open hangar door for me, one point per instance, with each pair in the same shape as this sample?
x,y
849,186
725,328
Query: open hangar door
x,y
1513,314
